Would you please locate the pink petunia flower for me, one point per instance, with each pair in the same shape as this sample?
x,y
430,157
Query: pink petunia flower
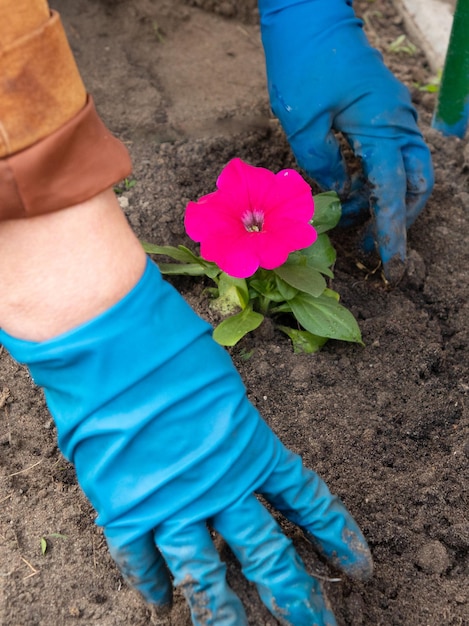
x,y
254,219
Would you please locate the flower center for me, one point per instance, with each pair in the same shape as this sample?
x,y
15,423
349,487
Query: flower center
x,y
253,221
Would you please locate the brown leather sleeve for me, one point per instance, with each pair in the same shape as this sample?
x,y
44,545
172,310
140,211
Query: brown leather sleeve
x,y
54,149
73,164
19,18
40,85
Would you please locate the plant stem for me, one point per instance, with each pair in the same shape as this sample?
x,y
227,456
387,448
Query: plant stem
x,y
264,305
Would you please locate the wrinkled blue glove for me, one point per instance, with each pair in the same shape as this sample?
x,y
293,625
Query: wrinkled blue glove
x,y
154,416
324,76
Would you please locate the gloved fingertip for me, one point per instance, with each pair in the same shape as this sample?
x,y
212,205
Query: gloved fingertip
x,y
313,609
360,566
160,611
145,570
394,269
159,596
347,550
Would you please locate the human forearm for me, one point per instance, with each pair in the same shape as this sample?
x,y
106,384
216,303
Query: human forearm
x,y
60,269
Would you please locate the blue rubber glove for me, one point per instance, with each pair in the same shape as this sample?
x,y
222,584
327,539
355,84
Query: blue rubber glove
x,y
154,416
324,76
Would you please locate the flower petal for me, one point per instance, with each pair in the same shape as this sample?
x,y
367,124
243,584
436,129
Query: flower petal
x,y
277,245
275,223
233,181
298,235
270,258
237,256
249,184
212,213
290,196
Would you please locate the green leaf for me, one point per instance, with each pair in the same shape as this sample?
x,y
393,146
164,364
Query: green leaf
x,y
44,545
325,317
321,255
210,269
188,261
245,355
228,303
182,269
195,257
303,341
58,535
227,282
267,288
182,254
302,278
284,307
330,293
231,330
286,291
327,211
233,295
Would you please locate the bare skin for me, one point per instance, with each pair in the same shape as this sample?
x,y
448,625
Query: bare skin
x,y
62,269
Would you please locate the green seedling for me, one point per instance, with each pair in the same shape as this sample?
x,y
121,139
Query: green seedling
x,y
402,44
245,355
157,31
369,15
433,85
126,185
44,544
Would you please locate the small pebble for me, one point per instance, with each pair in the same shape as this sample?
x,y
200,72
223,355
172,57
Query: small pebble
x,y
263,368
123,202
301,373
433,558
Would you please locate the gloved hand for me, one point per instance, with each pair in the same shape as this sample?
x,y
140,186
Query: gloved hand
x,y
154,416
323,75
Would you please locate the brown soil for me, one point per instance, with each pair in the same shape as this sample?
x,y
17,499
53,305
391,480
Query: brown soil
x,y
386,425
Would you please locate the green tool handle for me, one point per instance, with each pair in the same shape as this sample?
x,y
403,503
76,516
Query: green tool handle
x,y
452,111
